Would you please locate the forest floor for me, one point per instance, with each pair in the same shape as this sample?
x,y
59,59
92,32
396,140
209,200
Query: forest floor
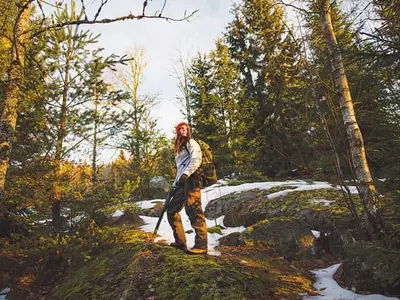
x,y
124,262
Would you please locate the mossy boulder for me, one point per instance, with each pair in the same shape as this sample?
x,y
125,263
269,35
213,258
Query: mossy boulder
x,y
130,218
322,209
369,267
232,202
232,239
154,211
333,243
287,237
135,269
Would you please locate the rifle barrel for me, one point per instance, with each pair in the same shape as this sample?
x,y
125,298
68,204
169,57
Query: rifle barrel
x,y
167,200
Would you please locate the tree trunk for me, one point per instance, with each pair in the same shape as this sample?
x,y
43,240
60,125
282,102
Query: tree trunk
x,y
94,152
8,118
367,191
56,194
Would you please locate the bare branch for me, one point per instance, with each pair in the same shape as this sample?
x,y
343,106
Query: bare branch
x,y
106,21
162,9
41,9
103,2
84,10
50,4
15,29
307,12
144,7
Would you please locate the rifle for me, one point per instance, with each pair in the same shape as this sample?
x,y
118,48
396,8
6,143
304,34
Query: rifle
x,y
166,203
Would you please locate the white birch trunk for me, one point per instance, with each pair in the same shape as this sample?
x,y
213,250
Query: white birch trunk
x,y
363,175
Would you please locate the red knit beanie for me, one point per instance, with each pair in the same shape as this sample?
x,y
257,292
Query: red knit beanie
x,y
180,125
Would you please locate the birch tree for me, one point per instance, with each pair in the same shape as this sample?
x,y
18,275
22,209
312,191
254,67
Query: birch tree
x,y
141,138
367,190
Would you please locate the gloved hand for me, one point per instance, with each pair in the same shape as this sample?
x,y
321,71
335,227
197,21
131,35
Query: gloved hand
x,y
182,180
172,191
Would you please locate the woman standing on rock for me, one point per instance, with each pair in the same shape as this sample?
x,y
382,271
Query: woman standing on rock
x,y
187,192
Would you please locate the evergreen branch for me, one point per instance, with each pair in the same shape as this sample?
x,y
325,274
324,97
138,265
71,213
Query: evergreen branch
x,y
85,138
378,38
73,147
123,60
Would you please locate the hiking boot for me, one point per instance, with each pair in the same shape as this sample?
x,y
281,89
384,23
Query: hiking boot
x,y
178,246
196,251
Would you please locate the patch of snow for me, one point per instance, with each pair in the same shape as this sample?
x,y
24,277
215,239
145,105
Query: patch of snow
x,y
43,221
117,213
279,194
78,218
325,202
316,233
330,289
4,292
148,203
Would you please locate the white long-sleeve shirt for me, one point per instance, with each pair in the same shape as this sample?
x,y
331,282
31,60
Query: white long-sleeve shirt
x,y
188,160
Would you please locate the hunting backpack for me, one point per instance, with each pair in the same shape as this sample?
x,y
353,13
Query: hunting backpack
x,y
207,172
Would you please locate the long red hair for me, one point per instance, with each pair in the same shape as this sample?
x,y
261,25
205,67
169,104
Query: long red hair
x,y
181,140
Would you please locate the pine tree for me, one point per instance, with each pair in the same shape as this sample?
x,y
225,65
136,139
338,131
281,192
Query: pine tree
x,y
206,123
267,55
228,92
74,81
19,20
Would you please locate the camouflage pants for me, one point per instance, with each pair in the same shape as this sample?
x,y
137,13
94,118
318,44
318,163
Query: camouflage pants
x,y
190,198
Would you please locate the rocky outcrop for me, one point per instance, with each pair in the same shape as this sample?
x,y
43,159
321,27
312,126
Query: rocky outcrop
x,y
371,268
288,237
232,239
250,207
154,211
282,225
230,203
333,243
129,218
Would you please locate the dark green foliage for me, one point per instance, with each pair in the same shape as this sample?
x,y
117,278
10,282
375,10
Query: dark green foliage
x,y
247,96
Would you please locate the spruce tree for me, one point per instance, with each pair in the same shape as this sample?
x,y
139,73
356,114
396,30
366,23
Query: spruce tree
x,y
267,55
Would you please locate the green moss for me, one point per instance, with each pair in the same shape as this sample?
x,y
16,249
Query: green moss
x,y
102,276
215,229
311,199
132,268
189,277
279,189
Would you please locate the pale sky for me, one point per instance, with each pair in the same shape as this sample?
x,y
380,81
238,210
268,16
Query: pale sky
x,y
163,42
